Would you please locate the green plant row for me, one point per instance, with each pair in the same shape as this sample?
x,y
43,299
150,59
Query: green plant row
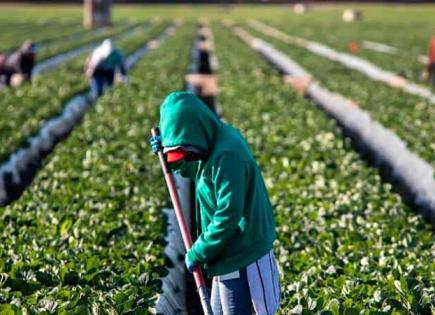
x,y
413,41
88,237
410,117
25,109
61,46
13,36
346,243
129,45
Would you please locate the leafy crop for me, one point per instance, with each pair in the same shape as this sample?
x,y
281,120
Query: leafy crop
x,y
25,109
88,236
63,46
14,35
379,25
347,244
410,117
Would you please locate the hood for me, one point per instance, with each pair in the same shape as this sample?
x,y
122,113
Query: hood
x,y
186,121
107,47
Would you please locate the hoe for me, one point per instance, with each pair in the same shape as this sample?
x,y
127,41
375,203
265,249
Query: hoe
x,y
185,233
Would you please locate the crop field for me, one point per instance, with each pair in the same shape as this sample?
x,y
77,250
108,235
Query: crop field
x,y
409,116
88,234
377,27
46,97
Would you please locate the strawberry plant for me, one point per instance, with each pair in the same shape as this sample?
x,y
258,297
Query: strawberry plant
x,y
25,109
410,117
379,25
14,35
346,243
63,46
88,236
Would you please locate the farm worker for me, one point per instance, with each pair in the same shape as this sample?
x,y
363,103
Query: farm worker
x,y
237,231
101,66
430,68
20,64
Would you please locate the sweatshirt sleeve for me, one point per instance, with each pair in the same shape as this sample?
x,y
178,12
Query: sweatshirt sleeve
x,y
229,188
121,62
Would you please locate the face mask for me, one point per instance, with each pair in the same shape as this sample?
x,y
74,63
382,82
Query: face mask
x,y
185,168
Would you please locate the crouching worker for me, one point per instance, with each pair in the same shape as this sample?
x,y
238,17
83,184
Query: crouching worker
x,y
17,68
233,209
102,65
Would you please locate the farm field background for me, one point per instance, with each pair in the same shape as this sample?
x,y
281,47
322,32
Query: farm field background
x,y
87,235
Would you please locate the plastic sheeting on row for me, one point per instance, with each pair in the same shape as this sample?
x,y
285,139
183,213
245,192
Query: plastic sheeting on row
x,y
389,151
19,170
380,47
173,297
75,36
45,43
353,62
279,59
56,61
153,44
388,49
14,174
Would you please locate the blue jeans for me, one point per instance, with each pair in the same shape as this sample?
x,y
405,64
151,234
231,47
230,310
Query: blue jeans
x,y
231,297
101,80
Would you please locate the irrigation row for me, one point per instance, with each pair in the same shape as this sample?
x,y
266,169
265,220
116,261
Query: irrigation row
x,y
47,42
411,175
71,37
46,97
114,219
179,292
18,172
56,61
69,31
353,62
388,49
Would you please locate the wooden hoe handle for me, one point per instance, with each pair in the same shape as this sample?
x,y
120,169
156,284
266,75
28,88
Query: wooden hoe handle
x,y
185,233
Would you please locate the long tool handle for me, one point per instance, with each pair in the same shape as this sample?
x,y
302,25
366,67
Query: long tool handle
x,y
185,233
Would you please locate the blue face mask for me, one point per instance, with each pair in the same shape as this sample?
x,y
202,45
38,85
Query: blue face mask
x,y
185,168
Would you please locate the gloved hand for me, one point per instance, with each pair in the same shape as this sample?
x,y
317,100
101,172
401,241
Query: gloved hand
x,y
189,264
156,144
125,79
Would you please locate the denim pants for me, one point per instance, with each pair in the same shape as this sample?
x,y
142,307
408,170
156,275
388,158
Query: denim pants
x,y
101,80
254,289
231,297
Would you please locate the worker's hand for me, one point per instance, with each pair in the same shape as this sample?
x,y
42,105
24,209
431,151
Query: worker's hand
x,y
125,79
189,264
156,144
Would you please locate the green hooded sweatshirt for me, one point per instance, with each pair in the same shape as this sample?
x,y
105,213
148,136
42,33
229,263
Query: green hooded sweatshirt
x,y
232,204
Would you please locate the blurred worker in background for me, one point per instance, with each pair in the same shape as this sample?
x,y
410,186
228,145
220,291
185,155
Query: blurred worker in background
x,y
430,68
17,67
235,216
102,65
